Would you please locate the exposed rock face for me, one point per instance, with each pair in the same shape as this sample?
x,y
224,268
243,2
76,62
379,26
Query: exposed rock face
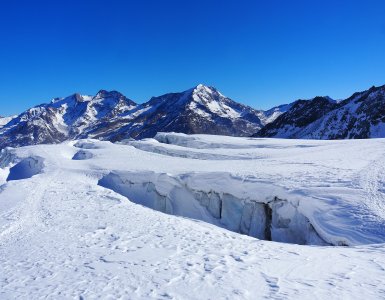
x,y
360,116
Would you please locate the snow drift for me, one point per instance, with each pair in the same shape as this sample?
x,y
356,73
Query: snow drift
x,y
26,168
82,155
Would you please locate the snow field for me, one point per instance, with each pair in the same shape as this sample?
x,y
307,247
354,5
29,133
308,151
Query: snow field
x,y
64,235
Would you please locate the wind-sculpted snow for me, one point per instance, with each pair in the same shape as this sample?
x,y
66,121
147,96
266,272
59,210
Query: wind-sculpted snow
x,y
197,142
151,145
26,168
218,142
84,144
135,224
82,154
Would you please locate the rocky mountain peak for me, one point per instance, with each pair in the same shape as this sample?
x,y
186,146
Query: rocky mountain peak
x,y
108,94
115,96
208,93
79,98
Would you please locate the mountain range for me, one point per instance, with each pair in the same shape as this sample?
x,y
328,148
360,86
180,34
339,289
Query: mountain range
x,y
360,116
109,115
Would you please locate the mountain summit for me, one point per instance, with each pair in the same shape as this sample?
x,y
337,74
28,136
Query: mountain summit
x,y
63,118
201,109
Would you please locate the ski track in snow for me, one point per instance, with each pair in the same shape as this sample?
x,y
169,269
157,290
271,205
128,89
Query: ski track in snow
x,y
68,238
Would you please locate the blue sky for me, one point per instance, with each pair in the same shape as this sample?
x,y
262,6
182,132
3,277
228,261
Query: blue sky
x,y
261,53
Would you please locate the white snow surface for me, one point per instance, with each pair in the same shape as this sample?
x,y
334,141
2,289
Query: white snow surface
x,y
269,116
74,222
6,120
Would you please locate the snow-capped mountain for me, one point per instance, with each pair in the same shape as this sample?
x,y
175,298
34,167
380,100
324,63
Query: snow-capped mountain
x,y
270,115
112,116
360,116
300,114
201,109
63,118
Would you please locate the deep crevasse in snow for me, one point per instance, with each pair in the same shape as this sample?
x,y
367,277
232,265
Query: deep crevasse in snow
x,y
277,219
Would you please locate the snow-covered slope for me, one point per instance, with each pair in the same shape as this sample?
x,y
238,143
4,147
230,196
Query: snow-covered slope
x,y
269,116
360,116
71,226
5,120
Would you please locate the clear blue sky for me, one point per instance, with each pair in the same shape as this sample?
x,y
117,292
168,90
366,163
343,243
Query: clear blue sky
x,y
261,53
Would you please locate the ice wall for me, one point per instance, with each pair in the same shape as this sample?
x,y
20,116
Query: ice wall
x,y
276,219
26,168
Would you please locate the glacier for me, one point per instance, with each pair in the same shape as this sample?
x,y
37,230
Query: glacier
x,y
193,217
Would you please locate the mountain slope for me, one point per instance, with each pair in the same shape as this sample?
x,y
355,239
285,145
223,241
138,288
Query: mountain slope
x,y
5,120
269,116
360,116
297,117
